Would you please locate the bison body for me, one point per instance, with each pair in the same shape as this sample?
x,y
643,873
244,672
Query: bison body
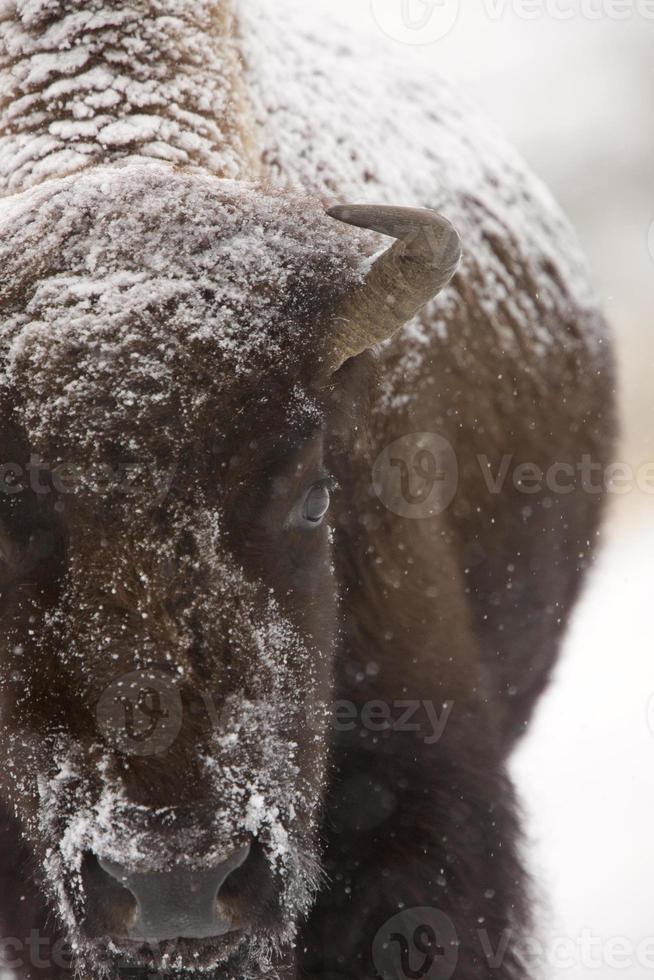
x,y
208,686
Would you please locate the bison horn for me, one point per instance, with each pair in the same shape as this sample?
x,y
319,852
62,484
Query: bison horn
x,y
399,282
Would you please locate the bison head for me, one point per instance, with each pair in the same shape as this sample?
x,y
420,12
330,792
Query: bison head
x,y
169,347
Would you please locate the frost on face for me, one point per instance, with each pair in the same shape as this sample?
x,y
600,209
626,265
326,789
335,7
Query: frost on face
x,y
139,308
250,766
133,296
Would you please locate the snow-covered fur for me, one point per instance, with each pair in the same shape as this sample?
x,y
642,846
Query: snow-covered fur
x,y
166,274
84,82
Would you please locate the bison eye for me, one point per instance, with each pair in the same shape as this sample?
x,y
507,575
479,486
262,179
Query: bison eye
x,y
316,504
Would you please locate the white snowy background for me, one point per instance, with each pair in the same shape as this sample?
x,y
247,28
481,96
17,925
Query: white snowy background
x,y
576,94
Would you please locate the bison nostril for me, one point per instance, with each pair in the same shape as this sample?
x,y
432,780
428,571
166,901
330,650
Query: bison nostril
x,y
177,904
110,906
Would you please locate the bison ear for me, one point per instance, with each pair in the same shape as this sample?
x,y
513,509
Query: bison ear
x,y
400,281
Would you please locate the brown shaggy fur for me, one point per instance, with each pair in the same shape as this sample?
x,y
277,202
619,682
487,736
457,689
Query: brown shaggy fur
x,y
153,312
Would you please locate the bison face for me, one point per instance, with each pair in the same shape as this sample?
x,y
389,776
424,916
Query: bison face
x,y
165,705
168,603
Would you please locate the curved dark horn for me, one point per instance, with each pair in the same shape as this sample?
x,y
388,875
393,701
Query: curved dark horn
x,y
400,281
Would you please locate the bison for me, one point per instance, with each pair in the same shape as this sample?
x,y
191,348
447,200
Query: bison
x,y
304,403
